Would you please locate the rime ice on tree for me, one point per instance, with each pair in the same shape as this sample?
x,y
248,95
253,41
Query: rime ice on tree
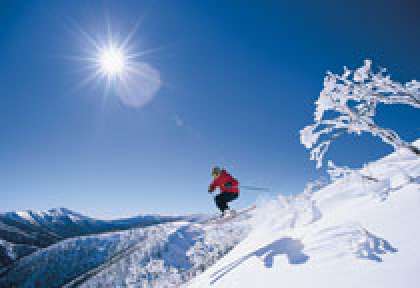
x,y
347,104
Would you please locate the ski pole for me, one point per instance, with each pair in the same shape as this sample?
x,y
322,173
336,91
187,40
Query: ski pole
x,y
254,188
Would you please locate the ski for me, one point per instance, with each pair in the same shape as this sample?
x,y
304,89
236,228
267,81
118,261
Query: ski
x,y
219,220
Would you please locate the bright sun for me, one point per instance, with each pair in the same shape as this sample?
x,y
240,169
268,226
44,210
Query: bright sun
x,y
112,61
115,61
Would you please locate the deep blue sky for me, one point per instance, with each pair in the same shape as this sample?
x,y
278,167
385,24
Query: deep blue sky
x,y
241,75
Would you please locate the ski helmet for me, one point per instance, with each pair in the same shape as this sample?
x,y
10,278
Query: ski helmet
x,y
216,171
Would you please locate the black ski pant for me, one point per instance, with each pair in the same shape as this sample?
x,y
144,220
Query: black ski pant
x,y
223,198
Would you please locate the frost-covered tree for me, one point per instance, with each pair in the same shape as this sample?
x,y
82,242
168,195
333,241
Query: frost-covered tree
x,y
347,104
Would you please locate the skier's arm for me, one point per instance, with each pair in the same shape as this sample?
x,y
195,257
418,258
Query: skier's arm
x,y
235,182
213,185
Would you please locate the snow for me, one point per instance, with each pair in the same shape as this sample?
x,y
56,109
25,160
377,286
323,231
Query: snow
x,y
26,231
164,255
185,253
25,215
358,231
351,233
9,252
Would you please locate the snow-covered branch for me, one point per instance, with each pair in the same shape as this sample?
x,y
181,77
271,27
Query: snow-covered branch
x,y
339,172
347,104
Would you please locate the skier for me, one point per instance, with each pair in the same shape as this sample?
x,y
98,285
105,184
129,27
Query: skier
x,y
229,189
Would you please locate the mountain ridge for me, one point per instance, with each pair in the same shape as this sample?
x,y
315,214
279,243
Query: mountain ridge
x,y
30,230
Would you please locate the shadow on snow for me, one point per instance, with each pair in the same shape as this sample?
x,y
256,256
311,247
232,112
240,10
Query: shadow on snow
x,y
376,246
291,248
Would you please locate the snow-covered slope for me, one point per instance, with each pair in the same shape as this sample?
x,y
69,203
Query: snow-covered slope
x,y
10,252
354,232
63,223
164,255
23,232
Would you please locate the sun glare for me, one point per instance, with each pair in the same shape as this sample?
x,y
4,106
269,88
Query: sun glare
x,y
112,61
115,61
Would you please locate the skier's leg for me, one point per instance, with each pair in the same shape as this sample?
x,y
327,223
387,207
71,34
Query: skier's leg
x,y
230,197
221,202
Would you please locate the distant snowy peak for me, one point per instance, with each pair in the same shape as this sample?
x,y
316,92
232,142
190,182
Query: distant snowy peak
x,y
61,214
64,212
42,217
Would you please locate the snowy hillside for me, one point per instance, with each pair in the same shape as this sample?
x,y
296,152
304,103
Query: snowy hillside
x,y
164,255
355,232
10,252
23,232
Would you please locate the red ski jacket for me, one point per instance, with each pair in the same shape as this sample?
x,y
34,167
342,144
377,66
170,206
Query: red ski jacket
x,y
225,182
